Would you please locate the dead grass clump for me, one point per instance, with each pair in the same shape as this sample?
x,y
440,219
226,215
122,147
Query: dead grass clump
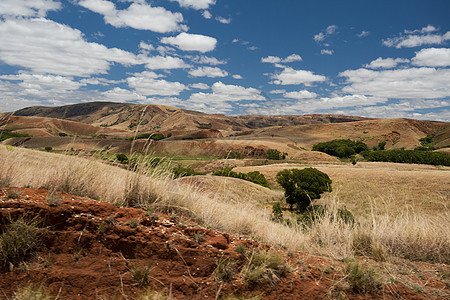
x,y
225,270
361,280
31,292
140,275
13,194
19,241
264,266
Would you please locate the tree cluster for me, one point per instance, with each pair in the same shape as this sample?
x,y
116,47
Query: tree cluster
x,y
341,148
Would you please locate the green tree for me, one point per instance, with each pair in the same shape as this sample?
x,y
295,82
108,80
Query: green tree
x,y
303,186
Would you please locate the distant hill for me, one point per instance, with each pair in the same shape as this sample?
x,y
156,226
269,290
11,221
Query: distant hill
x,y
126,116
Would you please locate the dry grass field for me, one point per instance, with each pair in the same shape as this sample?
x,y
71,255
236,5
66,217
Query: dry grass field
x,y
382,188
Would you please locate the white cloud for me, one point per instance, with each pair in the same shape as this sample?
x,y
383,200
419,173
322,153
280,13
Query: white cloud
x,y
411,83
207,60
27,8
223,20
326,52
385,63
119,94
235,41
206,14
45,46
208,72
363,34
291,76
432,57
143,45
417,38
277,91
236,92
303,94
137,15
428,29
191,42
196,4
276,59
237,76
330,30
37,84
252,48
271,59
201,86
164,62
146,84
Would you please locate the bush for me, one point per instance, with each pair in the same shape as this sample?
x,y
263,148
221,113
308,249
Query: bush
x,y
341,148
361,280
234,155
48,148
149,136
254,176
303,186
408,156
122,158
274,154
62,134
183,172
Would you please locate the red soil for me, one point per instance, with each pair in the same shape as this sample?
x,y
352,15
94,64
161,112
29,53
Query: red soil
x,y
90,249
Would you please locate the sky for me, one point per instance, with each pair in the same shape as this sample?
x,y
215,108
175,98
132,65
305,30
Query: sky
x,y
383,58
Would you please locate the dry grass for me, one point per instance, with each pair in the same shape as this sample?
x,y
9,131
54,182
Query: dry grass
x,y
411,234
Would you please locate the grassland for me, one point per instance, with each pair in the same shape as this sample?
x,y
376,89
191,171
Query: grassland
x,y
373,191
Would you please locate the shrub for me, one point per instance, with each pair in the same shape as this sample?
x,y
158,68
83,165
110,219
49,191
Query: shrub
x,y
361,280
234,155
277,213
275,154
303,186
122,158
19,241
48,148
254,176
341,148
408,156
62,134
183,172
149,136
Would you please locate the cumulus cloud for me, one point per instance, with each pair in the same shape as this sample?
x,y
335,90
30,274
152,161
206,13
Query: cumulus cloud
x,y
191,42
223,20
164,62
195,4
119,94
416,38
138,15
410,83
277,91
28,8
200,86
303,94
45,46
291,76
326,52
385,63
432,57
208,72
276,59
330,30
146,84
207,60
143,45
37,84
206,14
237,76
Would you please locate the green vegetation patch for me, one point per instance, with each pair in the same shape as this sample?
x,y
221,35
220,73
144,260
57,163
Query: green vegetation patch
x,y
8,135
408,156
255,176
341,148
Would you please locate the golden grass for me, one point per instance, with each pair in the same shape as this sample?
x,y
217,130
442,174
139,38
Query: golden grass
x,y
411,234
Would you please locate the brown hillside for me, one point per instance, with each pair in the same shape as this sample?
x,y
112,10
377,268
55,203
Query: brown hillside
x,y
44,126
125,116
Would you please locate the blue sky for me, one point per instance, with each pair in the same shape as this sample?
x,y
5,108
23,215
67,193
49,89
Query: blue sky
x,y
369,58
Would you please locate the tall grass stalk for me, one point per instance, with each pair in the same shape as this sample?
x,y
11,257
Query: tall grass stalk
x,y
414,236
